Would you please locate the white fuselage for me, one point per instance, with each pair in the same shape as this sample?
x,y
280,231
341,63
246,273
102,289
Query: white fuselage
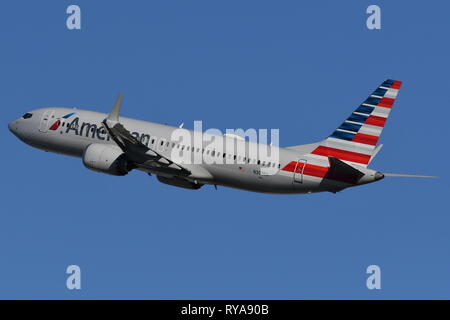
x,y
238,169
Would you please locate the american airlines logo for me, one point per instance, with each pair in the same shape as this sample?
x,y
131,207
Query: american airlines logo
x,y
94,131
57,123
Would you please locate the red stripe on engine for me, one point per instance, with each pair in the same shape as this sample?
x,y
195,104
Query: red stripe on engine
x,y
342,154
365,138
375,121
396,84
386,102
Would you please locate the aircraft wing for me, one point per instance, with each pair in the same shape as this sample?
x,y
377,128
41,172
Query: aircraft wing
x,y
135,151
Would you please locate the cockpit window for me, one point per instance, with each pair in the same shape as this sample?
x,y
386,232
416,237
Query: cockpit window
x,y
27,115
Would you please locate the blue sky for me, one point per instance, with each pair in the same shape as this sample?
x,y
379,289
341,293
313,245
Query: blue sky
x,y
300,67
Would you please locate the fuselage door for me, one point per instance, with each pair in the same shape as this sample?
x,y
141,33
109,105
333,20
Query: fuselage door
x,y
299,170
45,120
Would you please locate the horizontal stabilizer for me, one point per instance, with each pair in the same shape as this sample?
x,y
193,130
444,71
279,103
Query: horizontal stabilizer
x,y
341,171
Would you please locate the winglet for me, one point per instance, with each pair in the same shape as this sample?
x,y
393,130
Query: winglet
x,y
114,115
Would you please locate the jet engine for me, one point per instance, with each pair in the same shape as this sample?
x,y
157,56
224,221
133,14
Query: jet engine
x,y
107,159
178,182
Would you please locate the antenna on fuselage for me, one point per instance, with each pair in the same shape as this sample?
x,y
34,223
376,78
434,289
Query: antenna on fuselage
x,y
114,115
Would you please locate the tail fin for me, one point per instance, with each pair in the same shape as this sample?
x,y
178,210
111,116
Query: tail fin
x,y
356,138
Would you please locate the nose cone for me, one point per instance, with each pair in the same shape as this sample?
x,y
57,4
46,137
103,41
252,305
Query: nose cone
x,y
12,126
21,130
16,127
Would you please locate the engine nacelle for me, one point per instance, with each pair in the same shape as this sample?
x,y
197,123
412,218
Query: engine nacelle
x,y
107,159
178,182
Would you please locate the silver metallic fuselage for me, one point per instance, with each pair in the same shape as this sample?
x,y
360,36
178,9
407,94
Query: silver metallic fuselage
x,y
237,175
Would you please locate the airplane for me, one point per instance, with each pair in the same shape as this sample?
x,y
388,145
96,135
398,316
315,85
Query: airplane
x,y
115,145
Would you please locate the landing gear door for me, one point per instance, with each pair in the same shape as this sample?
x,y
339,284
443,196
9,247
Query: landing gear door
x,y
299,170
45,120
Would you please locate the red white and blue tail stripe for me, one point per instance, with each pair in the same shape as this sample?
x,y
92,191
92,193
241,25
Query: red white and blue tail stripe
x,y
355,139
